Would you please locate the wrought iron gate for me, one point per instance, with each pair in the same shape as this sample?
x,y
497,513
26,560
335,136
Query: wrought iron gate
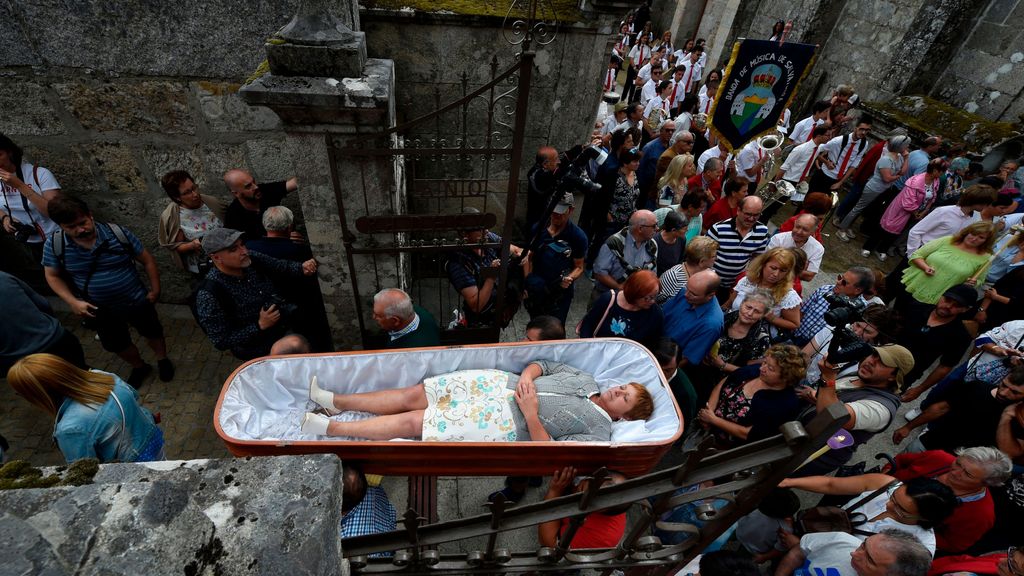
x,y
465,154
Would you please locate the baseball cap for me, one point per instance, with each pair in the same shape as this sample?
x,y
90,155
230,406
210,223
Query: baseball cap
x,y
962,294
673,221
898,357
565,203
219,238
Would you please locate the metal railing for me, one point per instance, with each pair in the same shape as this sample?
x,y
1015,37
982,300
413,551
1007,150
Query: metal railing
x,y
743,475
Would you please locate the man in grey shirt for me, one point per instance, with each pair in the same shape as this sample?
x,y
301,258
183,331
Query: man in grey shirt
x,y
31,328
631,249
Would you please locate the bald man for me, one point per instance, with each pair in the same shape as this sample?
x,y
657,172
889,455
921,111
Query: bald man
x,y
407,325
628,250
541,179
245,213
802,236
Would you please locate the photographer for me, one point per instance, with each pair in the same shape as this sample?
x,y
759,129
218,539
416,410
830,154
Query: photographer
x,y
24,216
876,325
868,391
850,287
236,304
555,263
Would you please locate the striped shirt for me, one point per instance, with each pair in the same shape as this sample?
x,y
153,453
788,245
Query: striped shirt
x,y
115,282
735,251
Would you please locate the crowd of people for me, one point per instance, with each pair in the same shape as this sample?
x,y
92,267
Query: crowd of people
x,y
683,257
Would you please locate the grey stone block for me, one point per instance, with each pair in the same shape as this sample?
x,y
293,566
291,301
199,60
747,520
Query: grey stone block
x,y
15,50
26,110
192,38
224,111
117,163
269,159
992,38
162,159
69,164
272,515
133,107
999,10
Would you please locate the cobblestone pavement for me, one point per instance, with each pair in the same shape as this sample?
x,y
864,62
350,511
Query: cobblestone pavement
x,y
186,403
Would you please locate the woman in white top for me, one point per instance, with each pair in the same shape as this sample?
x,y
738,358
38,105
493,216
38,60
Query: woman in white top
x,y
772,271
915,507
27,190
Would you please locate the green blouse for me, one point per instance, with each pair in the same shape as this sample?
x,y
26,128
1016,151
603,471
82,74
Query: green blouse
x,y
952,266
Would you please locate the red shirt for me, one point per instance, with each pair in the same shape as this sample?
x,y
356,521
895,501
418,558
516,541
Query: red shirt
x,y
970,520
866,168
597,531
719,211
976,564
714,186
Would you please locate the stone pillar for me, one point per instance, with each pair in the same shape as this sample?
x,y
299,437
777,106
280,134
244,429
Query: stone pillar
x,y
326,91
715,27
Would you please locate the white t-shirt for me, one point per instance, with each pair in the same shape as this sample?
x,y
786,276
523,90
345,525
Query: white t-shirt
x,y
691,75
827,553
814,250
12,201
876,506
871,415
852,154
744,287
746,159
195,224
802,130
649,91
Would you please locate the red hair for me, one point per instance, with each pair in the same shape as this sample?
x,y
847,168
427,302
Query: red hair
x,y
639,284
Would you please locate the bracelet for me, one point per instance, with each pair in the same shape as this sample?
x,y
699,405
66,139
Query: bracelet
x,y
827,383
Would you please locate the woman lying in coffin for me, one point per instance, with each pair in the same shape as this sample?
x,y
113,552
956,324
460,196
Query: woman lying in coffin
x,y
548,401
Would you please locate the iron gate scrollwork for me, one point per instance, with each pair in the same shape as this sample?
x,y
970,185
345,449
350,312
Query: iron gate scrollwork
x,y
445,174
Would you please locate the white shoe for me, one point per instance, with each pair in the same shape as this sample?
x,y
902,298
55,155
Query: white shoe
x,y
911,414
865,253
313,423
844,236
882,256
322,398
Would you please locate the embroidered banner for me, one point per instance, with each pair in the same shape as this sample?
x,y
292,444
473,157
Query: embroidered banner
x,y
759,83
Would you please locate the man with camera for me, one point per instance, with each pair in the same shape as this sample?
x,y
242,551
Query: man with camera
x,y
236,305
91,266
868,390
848,290
628,250
555,263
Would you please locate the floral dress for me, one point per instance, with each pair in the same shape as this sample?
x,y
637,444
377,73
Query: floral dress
x,y
624,200
739,351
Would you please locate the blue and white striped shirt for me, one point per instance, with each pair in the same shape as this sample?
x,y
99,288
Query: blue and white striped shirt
x,y
115,282
735,251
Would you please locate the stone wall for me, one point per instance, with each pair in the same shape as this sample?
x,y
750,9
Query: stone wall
x,y
964,52
119,94
272,515
986,76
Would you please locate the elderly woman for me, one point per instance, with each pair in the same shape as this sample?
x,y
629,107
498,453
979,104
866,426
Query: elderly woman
x,y
630,313
752,402
911,204
626,192
772,271
548,401
915,507
96,415
950,193
699,255
745,337
945,262
890,167
185,221
969,474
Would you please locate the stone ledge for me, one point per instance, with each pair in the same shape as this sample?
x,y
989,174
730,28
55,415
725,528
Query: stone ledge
x,y
273,515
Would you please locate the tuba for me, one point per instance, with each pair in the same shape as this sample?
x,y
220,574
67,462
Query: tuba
x,y
770,144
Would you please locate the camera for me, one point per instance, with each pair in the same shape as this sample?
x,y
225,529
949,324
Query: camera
x,y
572,174
845,346
22,232
287,309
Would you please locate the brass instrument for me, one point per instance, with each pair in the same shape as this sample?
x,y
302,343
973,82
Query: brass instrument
x,y
770,144
775,191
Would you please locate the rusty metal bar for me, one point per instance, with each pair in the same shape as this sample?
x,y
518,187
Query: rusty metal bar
x,y
768,451
347,237
424,223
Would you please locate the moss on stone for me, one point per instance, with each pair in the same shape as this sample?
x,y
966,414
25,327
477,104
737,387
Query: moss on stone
x,y
18,474
565,10
263,68
923,116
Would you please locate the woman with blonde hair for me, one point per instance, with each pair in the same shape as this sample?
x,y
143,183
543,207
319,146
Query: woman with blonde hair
x,y
772,271
699,255
672,186
962,258
96,414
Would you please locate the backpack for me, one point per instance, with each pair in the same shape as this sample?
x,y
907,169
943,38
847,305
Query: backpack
x,y
220,294
58,243
617,245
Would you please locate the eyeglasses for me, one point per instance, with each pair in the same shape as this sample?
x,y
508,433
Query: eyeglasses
x,y
841,280
650,298
1011,563
751,215
648,226
899,510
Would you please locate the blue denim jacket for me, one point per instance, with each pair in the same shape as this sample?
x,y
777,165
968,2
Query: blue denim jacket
x,y
98,431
